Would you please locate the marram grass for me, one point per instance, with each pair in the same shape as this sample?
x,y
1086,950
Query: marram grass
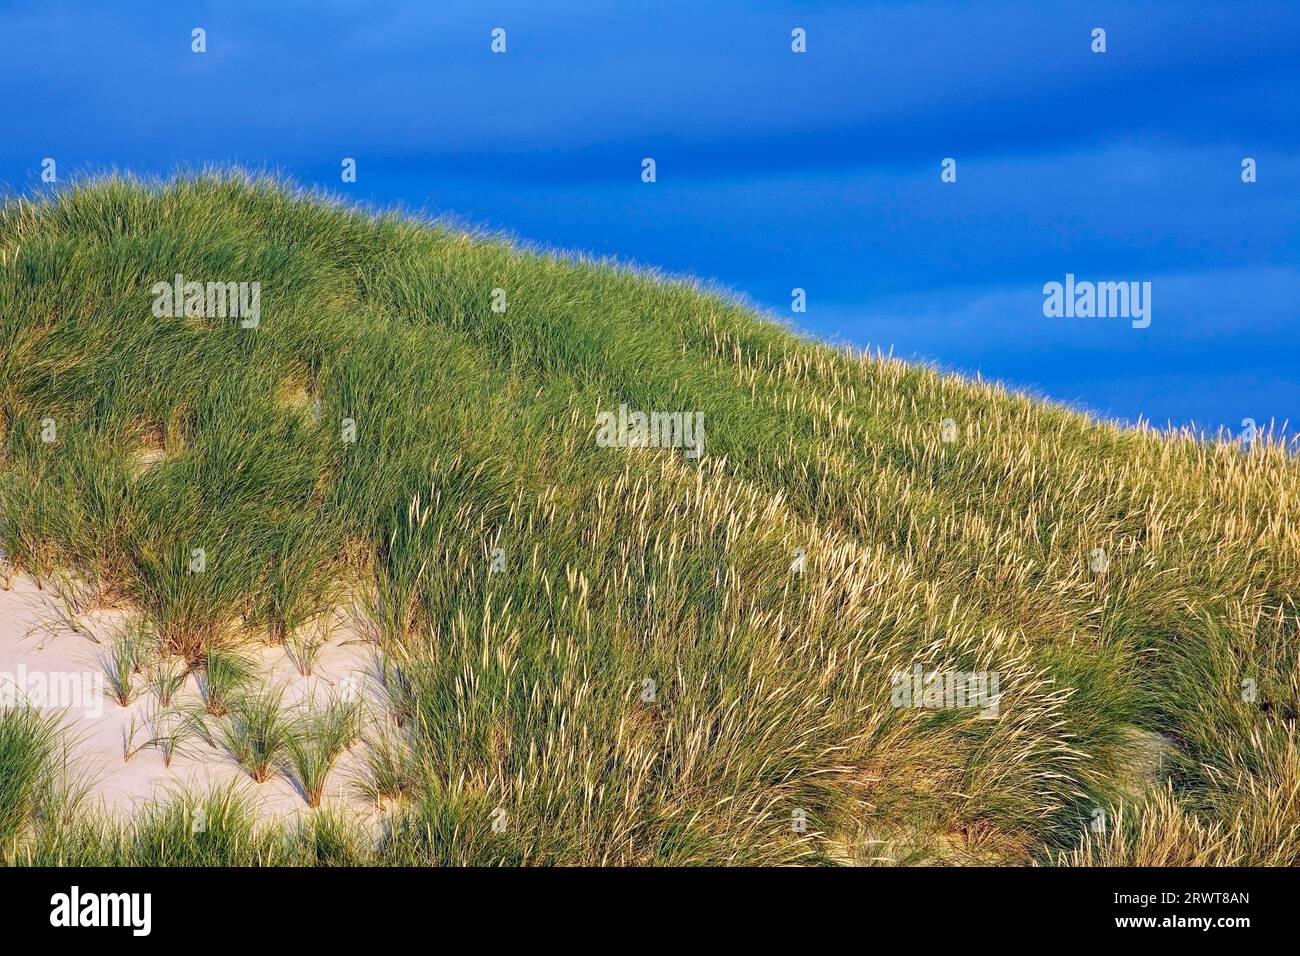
x,y
600,655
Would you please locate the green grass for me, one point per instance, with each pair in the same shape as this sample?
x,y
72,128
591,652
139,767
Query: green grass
x,y
226,672
165,677
524,690
256,732
29,762
217,828
319,736
123,663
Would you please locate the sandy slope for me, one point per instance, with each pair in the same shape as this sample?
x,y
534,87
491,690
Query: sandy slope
x,y
57,668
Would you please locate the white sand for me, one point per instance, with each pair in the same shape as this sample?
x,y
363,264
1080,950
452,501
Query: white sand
x,y
57,668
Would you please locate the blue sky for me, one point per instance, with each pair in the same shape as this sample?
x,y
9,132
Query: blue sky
x,y
776,170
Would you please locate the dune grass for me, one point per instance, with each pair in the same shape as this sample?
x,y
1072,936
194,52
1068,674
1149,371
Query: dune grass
x,y
29,749
679,656
256,732
226,673
318,736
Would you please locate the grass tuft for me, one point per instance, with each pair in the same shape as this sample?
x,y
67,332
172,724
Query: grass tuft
x,y
256,732
30,744
318,737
